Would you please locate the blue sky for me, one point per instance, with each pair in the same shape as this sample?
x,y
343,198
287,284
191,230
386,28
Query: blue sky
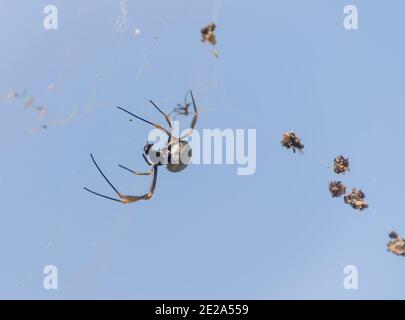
x,y
207,233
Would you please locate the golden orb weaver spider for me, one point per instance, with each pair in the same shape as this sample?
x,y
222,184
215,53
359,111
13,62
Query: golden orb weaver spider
x,y
176,154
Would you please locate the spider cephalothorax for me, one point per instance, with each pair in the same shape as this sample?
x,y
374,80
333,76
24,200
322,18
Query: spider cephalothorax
x,y
175,155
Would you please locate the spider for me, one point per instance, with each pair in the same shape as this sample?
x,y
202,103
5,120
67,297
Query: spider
x,y
175,155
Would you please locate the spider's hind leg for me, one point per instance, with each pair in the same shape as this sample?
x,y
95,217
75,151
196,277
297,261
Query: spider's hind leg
x,y
125,198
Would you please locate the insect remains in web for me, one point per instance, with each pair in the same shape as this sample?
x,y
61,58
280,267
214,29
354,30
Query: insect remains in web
x,y
356,199
208,35
175,155
337,189
291,140
396,245
10,95
341,164
182,109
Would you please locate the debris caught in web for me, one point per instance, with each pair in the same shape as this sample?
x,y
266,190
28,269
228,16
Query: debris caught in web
x,y
341,164
396,245
10,95
291,140
208,35
53,123
29,102
337,189
356,199
182,109
41,112
36,130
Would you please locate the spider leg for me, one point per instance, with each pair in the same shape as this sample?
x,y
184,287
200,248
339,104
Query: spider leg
x,y
177,111
106,179
101,195
146,196
144,120
138,173
194,120
124,198
146,159
170,126
163,113
147,173
181,109
195,117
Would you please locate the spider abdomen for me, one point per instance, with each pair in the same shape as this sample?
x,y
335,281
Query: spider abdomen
x,y
180,156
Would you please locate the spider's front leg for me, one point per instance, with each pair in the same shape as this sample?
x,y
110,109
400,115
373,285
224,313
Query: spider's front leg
x,y
194,120
126,198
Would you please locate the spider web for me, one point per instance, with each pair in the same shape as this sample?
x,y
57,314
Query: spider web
x,y
38,110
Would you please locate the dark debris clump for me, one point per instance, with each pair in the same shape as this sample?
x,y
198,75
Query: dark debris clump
x,y
337,189
291,140
208,35
356,199
341,165
396,245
